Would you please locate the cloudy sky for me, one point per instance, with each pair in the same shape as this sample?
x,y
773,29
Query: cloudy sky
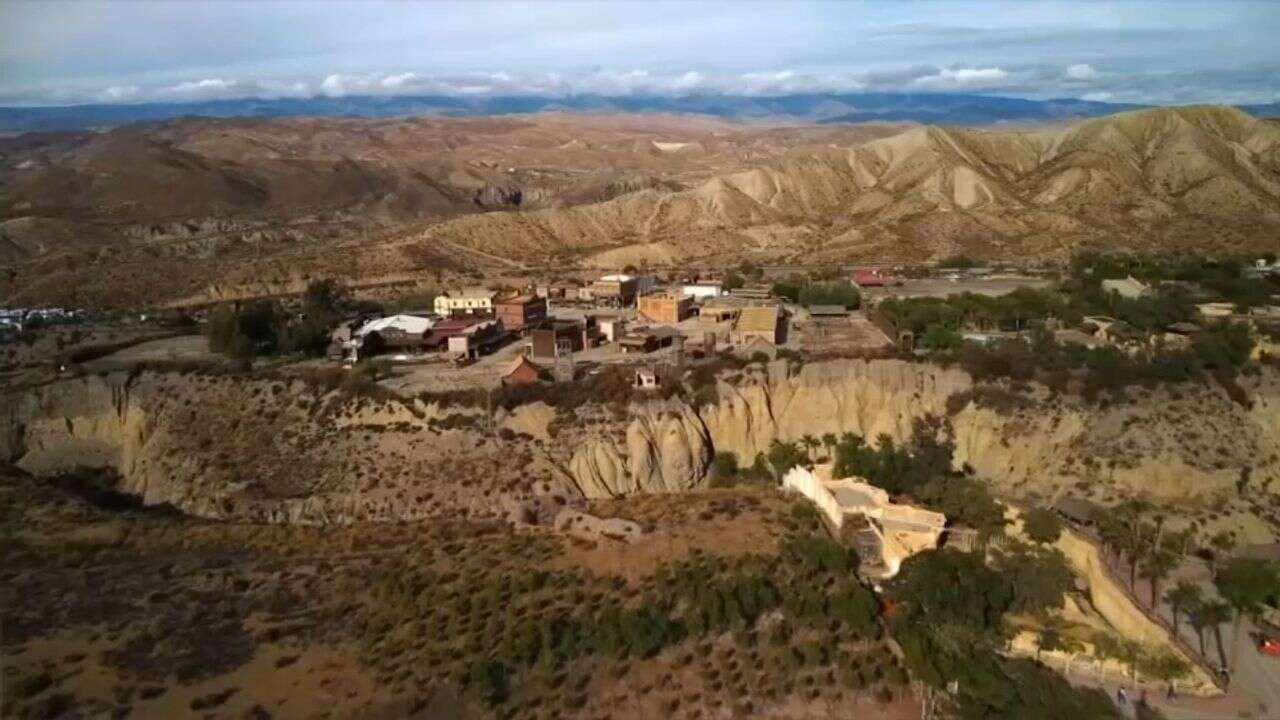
x,y
72,51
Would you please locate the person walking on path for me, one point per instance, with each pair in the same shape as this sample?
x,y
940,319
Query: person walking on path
x,y
1122,697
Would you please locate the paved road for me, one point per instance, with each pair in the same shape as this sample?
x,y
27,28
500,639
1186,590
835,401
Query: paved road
x,y
1258,674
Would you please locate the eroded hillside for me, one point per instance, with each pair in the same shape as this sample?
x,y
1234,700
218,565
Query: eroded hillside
x,y
1151,179
282,450
201,211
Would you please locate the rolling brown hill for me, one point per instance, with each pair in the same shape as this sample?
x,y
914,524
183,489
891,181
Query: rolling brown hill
x,y
199,210
1203,178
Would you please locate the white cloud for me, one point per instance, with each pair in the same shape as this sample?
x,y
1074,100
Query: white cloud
x,y
967,78
1082,71
333,85
689,81
395,81
1029,80
208,85
119,93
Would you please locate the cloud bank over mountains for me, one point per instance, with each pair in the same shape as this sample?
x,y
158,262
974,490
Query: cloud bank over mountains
x,y
84,51
1076,80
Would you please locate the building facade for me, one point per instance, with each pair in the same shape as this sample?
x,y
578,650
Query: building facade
x,y
664,308
470,301
521,313
619,290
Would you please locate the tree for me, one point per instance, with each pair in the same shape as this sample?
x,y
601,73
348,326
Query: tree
x,y
1106,647
966,501
489,680
784,456
1043,525
1131,653
829,442
1222,543
1165,665
1049,637
810,444
724,465
1038,576
1184,597
950,587
732,281
1130,514
1246,584
940,338
1156,566
1212,614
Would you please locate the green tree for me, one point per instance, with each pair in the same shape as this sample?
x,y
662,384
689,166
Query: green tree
x,y
1246,584
966,501
1156,565
784,456
1212,615
1038,576
1043,525
841,293
1049,637
810,444
940,338
1165,665
1185,597
829,441
724,466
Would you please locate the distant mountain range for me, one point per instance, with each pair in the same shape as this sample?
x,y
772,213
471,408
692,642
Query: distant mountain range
x,y
932,108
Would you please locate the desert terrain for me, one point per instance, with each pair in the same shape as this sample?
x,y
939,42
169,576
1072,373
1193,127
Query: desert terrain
x,y
270,530
196,211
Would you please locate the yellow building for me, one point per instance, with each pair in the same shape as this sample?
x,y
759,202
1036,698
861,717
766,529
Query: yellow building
x,y
469,301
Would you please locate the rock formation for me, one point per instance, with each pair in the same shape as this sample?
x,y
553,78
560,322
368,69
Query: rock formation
x,y
282,450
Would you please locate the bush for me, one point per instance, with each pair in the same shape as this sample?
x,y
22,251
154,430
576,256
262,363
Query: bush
x,y
1042,525
724,465
841,293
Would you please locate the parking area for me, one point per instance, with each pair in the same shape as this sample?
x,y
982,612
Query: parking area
x,y
942,287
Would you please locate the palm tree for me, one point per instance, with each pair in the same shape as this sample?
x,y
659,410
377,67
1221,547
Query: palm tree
x,y
829,441
810,444
1212,614
1156,566
1222,543
1198,621
1186,597
1246,584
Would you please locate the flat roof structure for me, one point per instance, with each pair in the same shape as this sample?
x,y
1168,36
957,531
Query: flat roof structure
x,y
758,319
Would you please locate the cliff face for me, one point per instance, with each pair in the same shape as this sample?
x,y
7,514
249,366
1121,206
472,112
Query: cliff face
x,y
1187,445
667,449
865,398
284,451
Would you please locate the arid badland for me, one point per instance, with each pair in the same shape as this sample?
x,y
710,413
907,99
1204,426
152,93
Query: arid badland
x,y
189,530
194,211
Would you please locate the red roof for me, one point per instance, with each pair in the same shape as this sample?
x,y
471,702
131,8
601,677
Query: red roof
x,y
868,278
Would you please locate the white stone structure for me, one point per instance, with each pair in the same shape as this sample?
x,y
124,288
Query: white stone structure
x,y
1129,287
902,530
702,290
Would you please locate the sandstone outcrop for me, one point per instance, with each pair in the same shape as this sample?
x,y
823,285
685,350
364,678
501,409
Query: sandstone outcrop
x,y
282,451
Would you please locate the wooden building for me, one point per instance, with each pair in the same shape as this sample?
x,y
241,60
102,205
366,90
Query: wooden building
x,y
521,313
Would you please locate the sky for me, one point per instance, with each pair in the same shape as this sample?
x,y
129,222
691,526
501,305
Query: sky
x,y
55,52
